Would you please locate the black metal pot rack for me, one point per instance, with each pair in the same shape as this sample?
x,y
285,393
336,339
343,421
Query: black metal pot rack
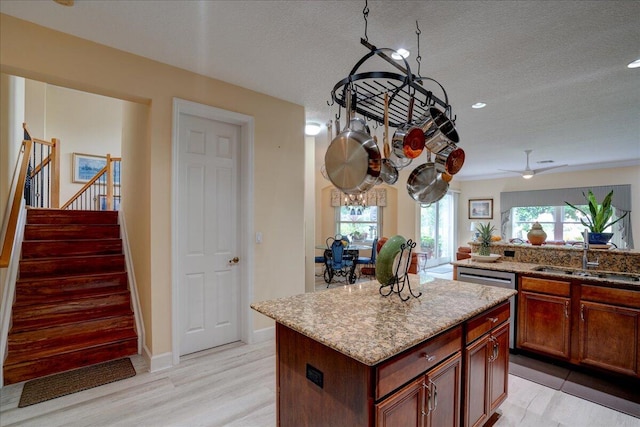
x,y
396,284
370,87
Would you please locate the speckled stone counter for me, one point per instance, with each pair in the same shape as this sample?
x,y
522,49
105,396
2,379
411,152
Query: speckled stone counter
x,y
525,267
360,323
620,260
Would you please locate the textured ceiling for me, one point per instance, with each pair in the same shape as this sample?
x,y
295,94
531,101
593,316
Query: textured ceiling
x,y
553,73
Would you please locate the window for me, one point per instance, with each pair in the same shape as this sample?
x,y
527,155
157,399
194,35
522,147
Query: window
x,y
559,222
437,223
360,224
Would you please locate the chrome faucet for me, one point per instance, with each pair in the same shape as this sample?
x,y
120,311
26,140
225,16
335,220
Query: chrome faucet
x,y
585,257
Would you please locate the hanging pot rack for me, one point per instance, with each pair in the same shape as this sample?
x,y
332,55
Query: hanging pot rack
x,y
369,88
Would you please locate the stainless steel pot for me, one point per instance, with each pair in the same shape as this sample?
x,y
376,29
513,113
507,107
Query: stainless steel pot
x,y
388,172
426,185
438,130
450,160
408,139
353,159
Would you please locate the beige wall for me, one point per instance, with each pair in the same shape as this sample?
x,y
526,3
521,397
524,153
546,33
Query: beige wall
x,y
38,53
83,122
491,188
401,217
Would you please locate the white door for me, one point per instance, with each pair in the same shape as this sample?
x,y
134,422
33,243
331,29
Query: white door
x,y
207,234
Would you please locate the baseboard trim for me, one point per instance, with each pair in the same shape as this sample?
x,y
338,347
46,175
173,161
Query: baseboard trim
x,y
158,362
264,334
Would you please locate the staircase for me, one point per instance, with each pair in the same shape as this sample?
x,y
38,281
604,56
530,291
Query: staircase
x,y
72,306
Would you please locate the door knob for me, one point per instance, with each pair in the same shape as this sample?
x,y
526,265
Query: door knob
x,y
235,260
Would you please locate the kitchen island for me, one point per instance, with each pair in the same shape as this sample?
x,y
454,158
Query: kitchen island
x,y
349,356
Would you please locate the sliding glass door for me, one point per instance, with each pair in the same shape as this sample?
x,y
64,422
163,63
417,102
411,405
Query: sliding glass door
x,y
437,229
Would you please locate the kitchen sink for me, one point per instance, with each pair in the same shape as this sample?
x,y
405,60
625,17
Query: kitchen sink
x,y
626,277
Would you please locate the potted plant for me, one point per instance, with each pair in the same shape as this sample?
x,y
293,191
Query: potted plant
x,y
598,218
484,237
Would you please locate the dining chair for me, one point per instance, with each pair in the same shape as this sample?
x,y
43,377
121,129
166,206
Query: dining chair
x,y
370,261
337,263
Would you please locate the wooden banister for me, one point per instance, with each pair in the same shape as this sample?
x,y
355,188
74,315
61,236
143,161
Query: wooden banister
x,y
84,188
16,189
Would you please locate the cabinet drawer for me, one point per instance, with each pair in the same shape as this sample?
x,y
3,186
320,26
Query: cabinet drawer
x,y
603,294
546,286
483,323
401,369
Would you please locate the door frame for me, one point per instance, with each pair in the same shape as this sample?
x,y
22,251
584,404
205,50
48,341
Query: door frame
x,y
245,210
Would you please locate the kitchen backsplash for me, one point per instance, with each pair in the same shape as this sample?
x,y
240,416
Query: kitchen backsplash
x,y
627,261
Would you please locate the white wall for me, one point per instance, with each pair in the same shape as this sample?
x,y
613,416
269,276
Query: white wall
x,y
491,188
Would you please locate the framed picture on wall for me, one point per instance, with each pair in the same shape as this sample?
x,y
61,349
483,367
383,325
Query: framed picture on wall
x,y
86,166
480,208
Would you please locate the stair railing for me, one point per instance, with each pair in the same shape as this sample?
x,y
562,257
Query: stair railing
x,y
100,193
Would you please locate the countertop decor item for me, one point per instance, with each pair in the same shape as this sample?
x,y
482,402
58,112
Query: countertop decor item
x,y
484,258
536,235
598,219
484,237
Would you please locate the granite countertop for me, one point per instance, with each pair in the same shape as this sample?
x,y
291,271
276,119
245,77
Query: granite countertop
x,y
359,322
524,267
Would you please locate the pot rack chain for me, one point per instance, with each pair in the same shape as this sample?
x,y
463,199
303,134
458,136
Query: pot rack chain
x,y
418,58
365,14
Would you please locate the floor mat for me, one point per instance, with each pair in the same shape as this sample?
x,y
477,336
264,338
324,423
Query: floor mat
x,y
620,394
62,384
615,393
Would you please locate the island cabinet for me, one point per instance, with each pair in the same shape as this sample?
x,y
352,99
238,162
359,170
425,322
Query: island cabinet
x,y
609,329
319,386
544,316
486,365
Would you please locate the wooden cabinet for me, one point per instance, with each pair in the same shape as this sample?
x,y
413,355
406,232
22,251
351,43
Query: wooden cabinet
x,y
486,366
544,321
609,329
430,401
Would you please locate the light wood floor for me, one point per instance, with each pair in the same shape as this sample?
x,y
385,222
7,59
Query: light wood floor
x,y
234,385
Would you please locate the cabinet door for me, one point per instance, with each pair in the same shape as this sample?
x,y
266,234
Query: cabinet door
x,y
609,337
498,366
544,323
443,394
404,408
476,402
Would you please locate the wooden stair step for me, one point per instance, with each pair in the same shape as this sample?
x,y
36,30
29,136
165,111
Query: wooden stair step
x,y
70,231
75,247
45,315
34,290
46,342
68,266
30,369
59,216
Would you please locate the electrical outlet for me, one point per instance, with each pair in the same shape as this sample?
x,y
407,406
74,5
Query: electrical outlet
x,y
510,254
315,376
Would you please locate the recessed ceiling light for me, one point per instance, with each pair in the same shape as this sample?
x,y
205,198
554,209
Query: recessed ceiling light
x,y
312,129
400,53
64,2
634,64
479,105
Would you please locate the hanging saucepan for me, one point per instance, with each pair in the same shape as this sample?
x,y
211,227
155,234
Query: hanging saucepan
x,y
353,158
408,139
399,162
426,185
438,130
450,160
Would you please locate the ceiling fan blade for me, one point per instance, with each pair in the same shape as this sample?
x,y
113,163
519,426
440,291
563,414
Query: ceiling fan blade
x,y
507,170
549,168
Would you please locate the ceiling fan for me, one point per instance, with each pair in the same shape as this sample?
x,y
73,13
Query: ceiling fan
x,y
528,173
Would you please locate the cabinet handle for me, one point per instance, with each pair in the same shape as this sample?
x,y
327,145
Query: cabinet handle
x,y
566,309
493,351
492,319
582,312
496,350
429,357
426,396
435,395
